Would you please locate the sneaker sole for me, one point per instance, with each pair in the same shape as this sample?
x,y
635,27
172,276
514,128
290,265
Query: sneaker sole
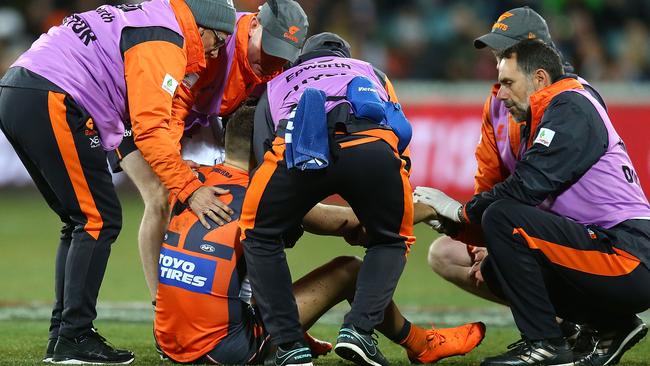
x,y
73,361
353,353
47,360
633,338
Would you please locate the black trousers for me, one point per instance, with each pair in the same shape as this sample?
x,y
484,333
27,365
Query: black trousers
x,y
55,140
372,179
547,266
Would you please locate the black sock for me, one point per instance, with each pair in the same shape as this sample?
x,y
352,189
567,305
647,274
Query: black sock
x,y
402,334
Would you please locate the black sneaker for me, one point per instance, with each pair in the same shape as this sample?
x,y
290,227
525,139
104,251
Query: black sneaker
x,y
296,354
358,347
533,353
570,331
49,351
89,348
612,344
585,343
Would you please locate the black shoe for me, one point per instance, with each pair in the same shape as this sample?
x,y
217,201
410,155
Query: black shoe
x,y
89,348
533,353
296,354
570,332
585,343
358,347
49,351
612,344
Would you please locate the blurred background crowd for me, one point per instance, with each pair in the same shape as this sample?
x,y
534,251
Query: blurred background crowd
x,y
606,40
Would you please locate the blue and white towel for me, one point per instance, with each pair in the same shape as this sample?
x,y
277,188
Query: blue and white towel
x,y
306,136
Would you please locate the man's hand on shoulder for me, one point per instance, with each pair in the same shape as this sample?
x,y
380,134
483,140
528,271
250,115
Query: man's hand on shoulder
x,y
206,204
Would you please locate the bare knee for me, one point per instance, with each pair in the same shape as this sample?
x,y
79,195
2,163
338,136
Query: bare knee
x,y
348,266
443,254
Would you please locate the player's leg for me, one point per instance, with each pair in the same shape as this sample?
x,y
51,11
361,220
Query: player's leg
x,y
335,281
154,218
452,260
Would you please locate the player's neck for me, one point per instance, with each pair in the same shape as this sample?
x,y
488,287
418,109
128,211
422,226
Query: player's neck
x,y
236,164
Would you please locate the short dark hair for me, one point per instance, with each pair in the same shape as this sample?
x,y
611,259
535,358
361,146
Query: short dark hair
x,y
533,54
239,133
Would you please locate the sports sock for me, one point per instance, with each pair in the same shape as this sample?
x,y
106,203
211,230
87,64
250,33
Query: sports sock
x,y
416,340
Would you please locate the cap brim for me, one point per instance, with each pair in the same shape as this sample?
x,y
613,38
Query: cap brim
x,y
278,47
494,41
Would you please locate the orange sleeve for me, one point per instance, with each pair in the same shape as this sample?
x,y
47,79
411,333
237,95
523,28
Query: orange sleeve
x,y
391,90
490,171
153,72
181,106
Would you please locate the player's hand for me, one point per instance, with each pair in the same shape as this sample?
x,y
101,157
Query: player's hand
x,y
424,213
206,204
479,255
445,226
444,205
194,166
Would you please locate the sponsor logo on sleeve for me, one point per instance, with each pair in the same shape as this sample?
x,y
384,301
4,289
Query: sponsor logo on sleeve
x,y
185,271
545,137
169,84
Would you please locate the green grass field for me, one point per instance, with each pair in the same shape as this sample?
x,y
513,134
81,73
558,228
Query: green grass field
x,y
29,237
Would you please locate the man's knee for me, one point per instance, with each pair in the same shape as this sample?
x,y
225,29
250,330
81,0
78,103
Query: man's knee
x,y
442,254
349,265
500,215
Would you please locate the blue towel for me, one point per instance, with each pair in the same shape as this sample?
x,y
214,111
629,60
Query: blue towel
x,y
306,137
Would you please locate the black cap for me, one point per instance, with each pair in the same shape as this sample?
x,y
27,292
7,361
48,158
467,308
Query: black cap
x,y
213,14
513,26
284,28
327,41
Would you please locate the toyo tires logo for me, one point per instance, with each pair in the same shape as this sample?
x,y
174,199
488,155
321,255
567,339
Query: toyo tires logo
x,y
185,271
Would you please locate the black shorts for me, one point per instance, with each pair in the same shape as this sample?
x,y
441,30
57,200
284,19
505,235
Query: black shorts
x,y
246,343
126,147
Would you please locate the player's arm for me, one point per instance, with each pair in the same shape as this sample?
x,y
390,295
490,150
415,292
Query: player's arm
x,y
151,82
575,139
334,220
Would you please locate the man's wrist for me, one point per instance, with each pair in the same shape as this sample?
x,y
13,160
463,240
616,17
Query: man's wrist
x,y
461,214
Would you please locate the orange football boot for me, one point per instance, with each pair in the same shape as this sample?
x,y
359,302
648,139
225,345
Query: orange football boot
x,y
446,342
318,347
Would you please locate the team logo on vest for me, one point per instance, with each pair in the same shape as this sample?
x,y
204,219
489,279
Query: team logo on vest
x,y
185,271
545,137
169,84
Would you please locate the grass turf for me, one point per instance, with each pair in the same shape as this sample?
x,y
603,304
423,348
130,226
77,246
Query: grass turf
x,y
23,343
29,233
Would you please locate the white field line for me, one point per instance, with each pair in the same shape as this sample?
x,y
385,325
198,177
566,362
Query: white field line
x,y
143,312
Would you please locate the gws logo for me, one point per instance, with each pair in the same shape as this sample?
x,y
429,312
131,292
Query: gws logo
x,y
207,248
291,34
181,270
